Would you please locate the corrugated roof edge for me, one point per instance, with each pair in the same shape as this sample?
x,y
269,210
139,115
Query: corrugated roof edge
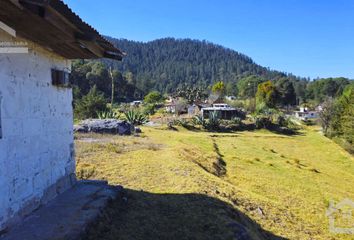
x,y
71,16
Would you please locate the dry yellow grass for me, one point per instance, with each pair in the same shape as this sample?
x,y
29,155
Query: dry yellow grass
x,y
281,184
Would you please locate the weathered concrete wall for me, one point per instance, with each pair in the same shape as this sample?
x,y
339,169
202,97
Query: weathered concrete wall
x,y
36,147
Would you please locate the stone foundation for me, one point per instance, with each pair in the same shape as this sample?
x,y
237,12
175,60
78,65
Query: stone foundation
x,y
68,215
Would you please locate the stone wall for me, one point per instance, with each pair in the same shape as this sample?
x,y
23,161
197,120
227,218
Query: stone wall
x,y
36,144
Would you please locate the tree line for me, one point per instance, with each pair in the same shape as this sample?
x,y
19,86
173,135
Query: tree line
x,y
166,65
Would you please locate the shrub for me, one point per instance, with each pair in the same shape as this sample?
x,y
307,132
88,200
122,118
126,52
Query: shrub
x,y
149,109
262,121
182,122
280,120
236,120
90,104
153,97
86,172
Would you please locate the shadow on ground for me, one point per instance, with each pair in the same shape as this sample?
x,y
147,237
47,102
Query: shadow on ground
x,y
141,215
243,127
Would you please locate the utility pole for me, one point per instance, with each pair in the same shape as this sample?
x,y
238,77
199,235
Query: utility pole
x,y
113,86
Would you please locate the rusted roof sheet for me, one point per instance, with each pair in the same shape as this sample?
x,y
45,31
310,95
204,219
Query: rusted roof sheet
x,y
53,25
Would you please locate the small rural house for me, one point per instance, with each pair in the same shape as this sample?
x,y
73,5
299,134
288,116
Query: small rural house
x,y
37,40
176,106
223,110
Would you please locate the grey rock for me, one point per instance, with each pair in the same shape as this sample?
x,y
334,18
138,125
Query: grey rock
x,y
112,126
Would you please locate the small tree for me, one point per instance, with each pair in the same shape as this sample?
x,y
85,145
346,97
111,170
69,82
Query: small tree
x,y
326,114
285,88
247,86
218,88
181,105
342,122
90,104
267,93
153,97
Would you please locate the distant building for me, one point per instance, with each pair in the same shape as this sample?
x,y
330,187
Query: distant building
x,y
305,114
224,111
136,103
176,105
170,107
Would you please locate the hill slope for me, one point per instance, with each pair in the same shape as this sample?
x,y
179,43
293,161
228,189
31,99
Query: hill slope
x,y
164,64
175,191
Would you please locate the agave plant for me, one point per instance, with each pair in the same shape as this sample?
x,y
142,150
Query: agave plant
x,y
182,122
108,115
214,120
135,118
199,120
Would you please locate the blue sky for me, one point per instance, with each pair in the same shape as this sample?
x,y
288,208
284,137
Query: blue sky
x,y
309,38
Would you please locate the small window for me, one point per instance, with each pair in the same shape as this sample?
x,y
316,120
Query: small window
x,y
60,78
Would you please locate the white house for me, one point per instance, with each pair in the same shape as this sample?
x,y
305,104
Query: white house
x,y
306,114
37,40
136,103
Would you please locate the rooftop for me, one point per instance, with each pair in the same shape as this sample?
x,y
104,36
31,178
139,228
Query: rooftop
x,y
54,26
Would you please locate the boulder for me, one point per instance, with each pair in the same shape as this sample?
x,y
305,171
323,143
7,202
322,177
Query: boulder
x,y
112,126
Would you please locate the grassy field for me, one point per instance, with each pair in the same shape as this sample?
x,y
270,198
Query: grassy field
x,y
197,185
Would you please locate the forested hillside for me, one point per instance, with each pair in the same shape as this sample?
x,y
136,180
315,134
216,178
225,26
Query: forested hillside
x,y
166,63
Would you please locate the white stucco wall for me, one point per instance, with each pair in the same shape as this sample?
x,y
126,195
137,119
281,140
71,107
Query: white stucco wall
x,y
36,148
